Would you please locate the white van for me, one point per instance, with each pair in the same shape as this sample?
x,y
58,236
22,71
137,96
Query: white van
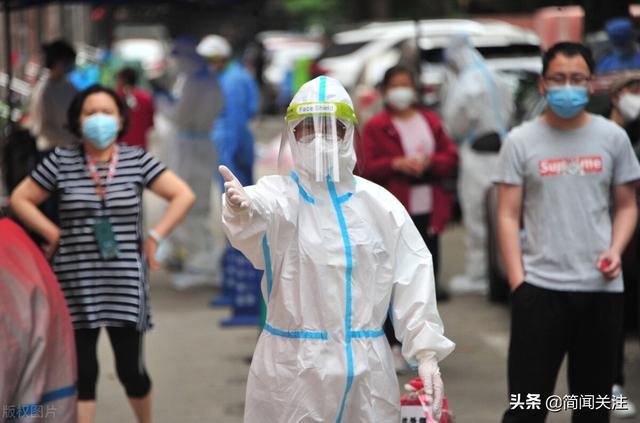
x,y
358,58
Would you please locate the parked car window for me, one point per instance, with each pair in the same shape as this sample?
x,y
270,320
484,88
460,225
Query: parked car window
x,y
335,50
435,55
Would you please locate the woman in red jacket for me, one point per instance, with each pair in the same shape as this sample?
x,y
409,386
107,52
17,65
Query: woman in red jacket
x,y
406,150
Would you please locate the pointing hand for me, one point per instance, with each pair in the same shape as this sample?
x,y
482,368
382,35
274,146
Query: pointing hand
x,y
236,195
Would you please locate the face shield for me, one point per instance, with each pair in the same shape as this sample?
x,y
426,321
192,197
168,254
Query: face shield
x,y
317,141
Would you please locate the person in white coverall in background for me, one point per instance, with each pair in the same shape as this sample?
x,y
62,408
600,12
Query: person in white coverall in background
x,y
477,109
196,102
338,252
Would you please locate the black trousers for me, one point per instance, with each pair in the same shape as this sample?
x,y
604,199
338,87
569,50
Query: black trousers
x,y
433,244
546,325
127,348
631,276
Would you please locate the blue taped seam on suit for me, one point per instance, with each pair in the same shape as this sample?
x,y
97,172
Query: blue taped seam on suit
x,y
32,409
298,334
58,394
344,197
347,317
367,333
267,266
322,92
304,194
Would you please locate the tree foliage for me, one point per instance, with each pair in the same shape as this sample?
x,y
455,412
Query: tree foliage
x,y
314,11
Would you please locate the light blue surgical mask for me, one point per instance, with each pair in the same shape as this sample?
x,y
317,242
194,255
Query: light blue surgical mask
x,y
567,101
100,129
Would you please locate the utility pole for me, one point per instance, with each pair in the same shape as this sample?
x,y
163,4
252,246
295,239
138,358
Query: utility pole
x,y
9,65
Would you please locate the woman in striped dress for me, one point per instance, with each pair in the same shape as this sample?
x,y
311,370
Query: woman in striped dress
x,y
99,253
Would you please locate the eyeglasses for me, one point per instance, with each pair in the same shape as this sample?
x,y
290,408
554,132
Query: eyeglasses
x,y
311,126
573,79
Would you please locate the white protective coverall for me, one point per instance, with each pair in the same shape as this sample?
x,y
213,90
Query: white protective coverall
x,y
337,257
477,102
37,351
197,102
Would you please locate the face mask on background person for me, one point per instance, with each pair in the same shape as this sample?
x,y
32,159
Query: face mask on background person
x,y
567,101
629,106
400,98
100,129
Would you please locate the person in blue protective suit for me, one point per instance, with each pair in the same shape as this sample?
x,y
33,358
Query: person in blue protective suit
x,y
339,252
477,110
625,54
234,144
190,110
231,134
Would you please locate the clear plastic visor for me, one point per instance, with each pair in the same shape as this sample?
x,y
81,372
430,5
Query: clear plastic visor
x,y
315,144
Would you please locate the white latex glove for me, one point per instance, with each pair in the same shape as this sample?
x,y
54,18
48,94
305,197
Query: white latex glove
x,y
429,372
236,195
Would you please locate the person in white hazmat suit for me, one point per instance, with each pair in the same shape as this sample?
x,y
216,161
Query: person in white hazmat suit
x,y
338,252
477,109
196,102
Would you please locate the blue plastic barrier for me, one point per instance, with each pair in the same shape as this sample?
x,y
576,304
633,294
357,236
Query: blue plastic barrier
x,y
225,298
244,280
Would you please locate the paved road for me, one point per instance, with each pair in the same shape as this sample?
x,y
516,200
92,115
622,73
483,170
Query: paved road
x,y
199,369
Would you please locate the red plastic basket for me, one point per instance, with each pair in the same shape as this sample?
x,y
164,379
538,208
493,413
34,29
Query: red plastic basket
x,y
412,410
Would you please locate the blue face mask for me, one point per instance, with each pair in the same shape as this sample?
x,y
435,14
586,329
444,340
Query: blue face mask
x,y
100,129
567,101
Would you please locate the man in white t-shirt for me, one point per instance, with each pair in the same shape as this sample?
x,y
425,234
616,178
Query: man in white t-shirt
x,y
561,175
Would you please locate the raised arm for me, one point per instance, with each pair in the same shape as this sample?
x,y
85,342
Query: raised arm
x,y
246,213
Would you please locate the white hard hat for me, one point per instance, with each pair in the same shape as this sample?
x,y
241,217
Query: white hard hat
x,y
214,46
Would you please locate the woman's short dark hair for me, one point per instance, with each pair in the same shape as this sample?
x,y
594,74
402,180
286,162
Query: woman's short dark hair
x,y
397,70
570,50
75,109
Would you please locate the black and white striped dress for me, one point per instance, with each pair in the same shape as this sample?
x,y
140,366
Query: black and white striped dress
x,y
101,292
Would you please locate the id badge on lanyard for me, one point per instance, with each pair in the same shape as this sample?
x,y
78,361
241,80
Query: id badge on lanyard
x,y
102,229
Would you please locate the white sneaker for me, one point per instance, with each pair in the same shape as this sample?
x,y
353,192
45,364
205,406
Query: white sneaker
x,y
627,413
399,362
462,284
